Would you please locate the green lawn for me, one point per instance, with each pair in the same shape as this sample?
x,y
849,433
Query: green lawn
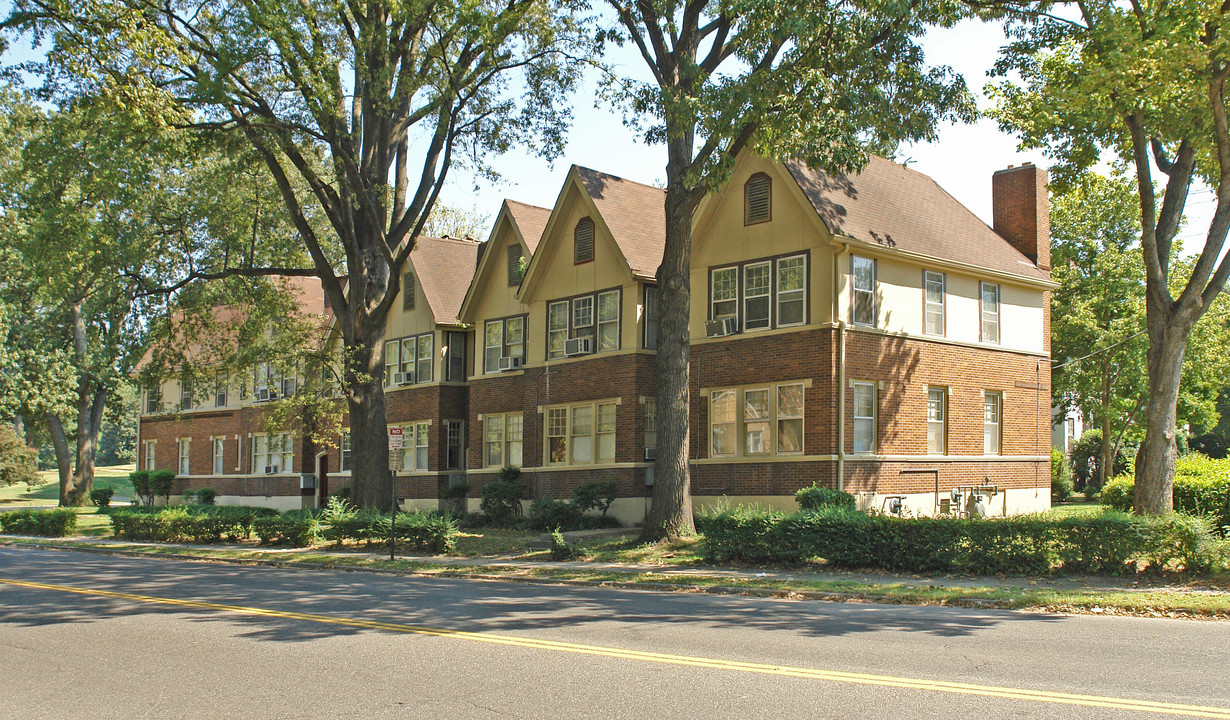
x,y
48,493
1077,509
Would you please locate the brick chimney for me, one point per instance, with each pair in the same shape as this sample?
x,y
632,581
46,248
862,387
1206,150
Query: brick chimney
x,y
1021,211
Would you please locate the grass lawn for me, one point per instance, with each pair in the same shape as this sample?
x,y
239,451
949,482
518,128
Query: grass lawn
x,y
1076,509
48,493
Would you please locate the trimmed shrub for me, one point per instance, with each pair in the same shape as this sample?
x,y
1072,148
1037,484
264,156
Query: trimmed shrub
x,y
1061,476
141,486
426,532
160,483
1201,487
546,514
1026,545
295,530
187,524
816,497
501,500
101,497
593,495
44,523
206,496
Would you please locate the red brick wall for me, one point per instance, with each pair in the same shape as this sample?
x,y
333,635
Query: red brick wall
x,y
1021,211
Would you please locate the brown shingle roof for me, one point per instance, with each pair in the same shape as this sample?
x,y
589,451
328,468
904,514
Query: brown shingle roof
x,y
444,268
635,214
531,220
896,207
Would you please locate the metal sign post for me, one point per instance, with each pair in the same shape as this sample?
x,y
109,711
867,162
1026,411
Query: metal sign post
x,y
395,443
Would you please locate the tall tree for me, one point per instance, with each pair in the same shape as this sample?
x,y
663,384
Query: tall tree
x,y
99,206
1145,82
1098,318
818,80
358,108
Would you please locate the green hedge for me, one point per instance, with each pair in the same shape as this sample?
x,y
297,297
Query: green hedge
x,y
1201,487
427,532
44,523
1026,545
295,529
815,497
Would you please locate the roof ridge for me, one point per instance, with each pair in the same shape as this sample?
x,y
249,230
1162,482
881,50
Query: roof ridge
x,y
619,178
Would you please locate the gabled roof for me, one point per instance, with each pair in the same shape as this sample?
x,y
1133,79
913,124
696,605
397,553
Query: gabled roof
x,y
530,220
899,208
444,268
634,213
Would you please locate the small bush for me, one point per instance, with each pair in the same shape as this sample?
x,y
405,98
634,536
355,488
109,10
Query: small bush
x,y
43,523
160,483
501,500
562,550
187,524
1061,476
454,492
593,495
141,486
101,497
18,463
206,496
426,532
546,514
816,497
1086,457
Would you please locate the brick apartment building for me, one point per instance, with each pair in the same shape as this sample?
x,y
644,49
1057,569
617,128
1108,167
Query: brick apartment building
x,y
865,332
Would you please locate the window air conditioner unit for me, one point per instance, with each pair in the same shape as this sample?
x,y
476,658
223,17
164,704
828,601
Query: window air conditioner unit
x,y
579,346
289,386
271,469
307,481
721,327
651,453
403,378
510,363
261,394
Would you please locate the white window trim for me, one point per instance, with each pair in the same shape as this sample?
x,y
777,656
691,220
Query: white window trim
x,y
599,322
594,433
855,385
943,421
217,460
151,454
982,313
504,442
777,300
773,420
854,291
286,441
410,447
943,304
999,423
183,456
713,301
768,295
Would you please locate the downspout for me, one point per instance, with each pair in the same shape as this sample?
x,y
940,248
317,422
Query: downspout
x,y
840,420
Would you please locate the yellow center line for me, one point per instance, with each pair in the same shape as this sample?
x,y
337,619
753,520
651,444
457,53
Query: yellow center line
x,y
665,658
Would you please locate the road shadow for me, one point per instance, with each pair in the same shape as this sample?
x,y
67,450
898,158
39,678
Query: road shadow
x,y
476,606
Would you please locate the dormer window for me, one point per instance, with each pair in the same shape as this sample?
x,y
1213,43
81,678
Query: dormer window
x,y
583,241
757,199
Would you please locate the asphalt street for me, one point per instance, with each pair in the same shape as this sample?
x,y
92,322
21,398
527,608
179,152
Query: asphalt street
x,y
89,636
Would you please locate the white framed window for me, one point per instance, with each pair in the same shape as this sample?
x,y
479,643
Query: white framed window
x,y
501,338
221,381
411,357
184,466
219,454
937,420
651,422
502,440
185,393
267,377
791,291
754,421
153,400
346,453
992,422
757,288
724,292
150,445
990,312
722,423
650,339
557,328
608,320
414,446
581,434
864,417
392,360
863,300
454,444
272,453
790,419
423,370
933,302
583,312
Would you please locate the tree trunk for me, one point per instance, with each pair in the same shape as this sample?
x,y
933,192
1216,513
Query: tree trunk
x,y
670,515
369,444
1155,468
59,441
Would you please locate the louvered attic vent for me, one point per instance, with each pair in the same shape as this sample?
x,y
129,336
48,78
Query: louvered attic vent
x,y
584,240
756,199
514,265
407,292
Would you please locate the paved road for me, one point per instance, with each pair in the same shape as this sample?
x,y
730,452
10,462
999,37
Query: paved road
x,y
87,636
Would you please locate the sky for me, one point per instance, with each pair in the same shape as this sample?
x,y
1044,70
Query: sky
x,y
961,160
